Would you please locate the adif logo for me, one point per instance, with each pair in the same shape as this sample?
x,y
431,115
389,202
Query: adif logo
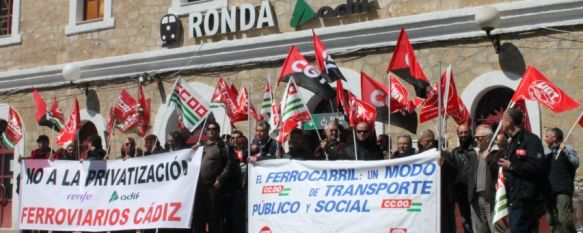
x,y
124,197
544,92
114,197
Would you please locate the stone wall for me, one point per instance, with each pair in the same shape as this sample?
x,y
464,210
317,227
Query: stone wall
x,y
42,27
557,55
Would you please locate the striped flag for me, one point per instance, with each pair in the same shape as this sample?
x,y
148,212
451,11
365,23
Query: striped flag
x,y
294,110
13,133
190,105
500,215
266,103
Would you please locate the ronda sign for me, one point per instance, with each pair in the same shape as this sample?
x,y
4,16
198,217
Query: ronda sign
x,y
236,19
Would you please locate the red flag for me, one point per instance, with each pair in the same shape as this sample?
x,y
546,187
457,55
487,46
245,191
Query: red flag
x,y
13,133
581,120
69,133
41,106
536,87
126,112
56,112
375,93
360,111
233,90
341,98
243,107
304,73
223,94
143,112
455,106
400,97
405,65
326,64
110,125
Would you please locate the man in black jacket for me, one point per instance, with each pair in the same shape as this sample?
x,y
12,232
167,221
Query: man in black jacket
x,y
216,171
561,166
366,144
463,156
522,170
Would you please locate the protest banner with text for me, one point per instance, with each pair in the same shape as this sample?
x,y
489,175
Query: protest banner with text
x,y
392,196
102,195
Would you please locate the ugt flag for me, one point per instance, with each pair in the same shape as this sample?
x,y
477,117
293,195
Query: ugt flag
x,y
536,87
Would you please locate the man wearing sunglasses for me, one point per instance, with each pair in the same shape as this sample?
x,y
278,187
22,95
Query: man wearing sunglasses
x,y
216,171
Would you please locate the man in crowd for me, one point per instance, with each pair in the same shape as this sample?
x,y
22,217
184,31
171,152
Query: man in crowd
x,y
43,150
331,145
426,141
463,156
562,162
404,147
217,169
152,145
523,168
263,147
296,148
383,144
366,144
481,177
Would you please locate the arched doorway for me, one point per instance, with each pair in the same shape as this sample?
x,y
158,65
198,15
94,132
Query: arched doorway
x,y
491,106
483,91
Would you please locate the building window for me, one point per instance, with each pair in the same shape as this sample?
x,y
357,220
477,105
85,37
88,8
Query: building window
x,y
185,7
92,10
89,15
5,17
9,22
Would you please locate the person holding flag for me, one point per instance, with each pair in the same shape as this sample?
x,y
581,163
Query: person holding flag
x,y
366,143
561,180
523,169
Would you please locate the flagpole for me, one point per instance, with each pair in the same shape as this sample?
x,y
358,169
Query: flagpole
x,y
353,129
568,134
445,97
389,113
439,109
249,122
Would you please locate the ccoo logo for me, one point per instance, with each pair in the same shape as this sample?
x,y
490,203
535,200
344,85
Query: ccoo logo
x,y
544,92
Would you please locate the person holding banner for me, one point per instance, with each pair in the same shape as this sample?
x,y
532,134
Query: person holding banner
x,y
95,151
296,148
263,146
464,156
563,162
404,147
331,145
152,145
523,168
217,167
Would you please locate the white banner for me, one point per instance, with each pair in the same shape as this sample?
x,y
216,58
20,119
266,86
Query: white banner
x,y
139,193
393,196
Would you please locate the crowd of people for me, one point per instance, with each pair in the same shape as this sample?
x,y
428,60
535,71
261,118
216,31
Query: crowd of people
x,y
539,179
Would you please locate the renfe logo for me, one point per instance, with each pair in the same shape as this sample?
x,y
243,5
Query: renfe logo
x,y
265,229
302,12
396,203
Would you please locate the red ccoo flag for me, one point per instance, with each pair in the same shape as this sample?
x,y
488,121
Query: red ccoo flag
x,y
536,87
69,132
224,94
405,65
